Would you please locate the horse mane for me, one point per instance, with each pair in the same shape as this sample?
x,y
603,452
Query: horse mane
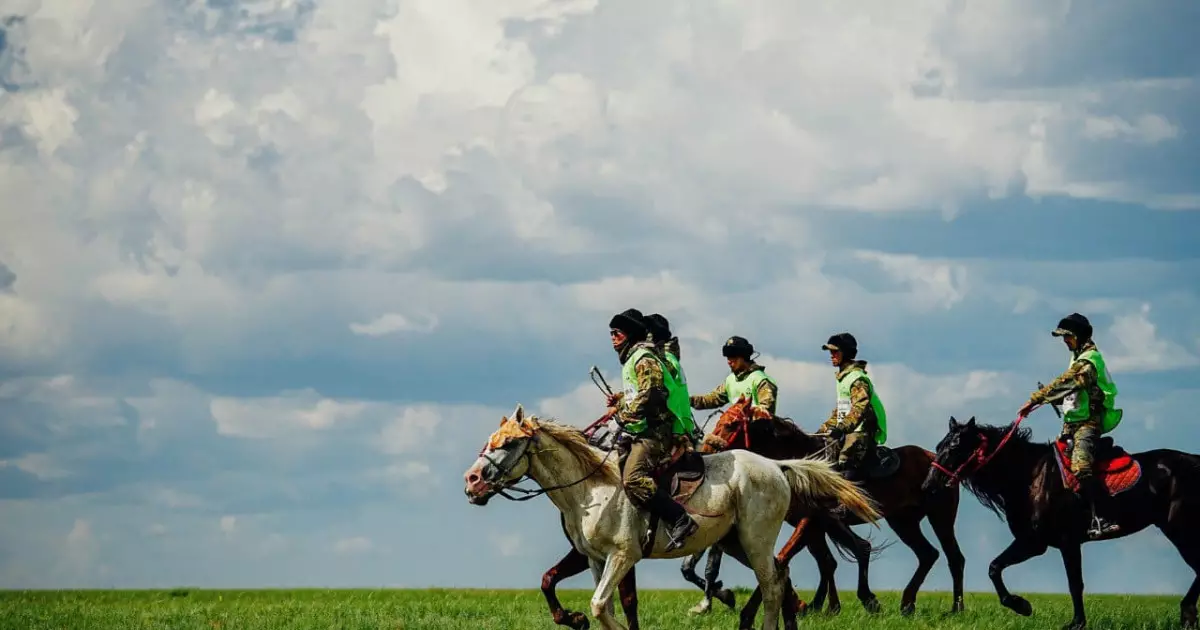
x,y
575,443
991,495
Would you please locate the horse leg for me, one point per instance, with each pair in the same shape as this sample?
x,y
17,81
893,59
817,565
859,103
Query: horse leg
x,y
1073,561
688,569
615,568
713,587
845,537
801,537
1018,551
732,546
627,589
941,517
571,565
1185,542
908,528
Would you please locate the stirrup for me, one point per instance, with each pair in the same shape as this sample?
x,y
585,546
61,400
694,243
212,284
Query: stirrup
x,y
676,539
1100,528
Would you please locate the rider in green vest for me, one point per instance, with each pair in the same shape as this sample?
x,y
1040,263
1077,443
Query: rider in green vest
x,y
746,379
667,346
644,413
1088,396
858,422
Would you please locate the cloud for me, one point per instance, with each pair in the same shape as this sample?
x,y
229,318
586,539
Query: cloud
x,y
268,316
355,545
390,323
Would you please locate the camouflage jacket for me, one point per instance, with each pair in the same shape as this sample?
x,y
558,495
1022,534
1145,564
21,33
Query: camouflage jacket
x,y
860,401
718,396
650,403
1081,375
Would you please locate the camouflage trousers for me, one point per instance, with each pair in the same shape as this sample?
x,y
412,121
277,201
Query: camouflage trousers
x,y
853,448
1083,452
637,468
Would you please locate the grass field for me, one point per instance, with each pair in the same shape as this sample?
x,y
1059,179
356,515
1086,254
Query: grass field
x,y
510,610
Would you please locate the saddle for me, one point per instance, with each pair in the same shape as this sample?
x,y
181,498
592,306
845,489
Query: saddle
x,y
681,474
1115,466
881,463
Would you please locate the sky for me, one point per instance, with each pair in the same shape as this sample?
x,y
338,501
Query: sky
x,y
272,271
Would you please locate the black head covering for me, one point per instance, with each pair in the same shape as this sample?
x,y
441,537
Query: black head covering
x,y
737,347
1074,324
843,342
631,322
658,327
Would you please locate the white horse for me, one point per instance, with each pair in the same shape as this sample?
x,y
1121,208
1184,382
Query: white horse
x,y
740,505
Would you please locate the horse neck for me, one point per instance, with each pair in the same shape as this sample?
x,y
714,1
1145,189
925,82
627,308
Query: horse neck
x,y
552,464
1008,475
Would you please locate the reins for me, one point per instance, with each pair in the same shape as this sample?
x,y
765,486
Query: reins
x,y
980,456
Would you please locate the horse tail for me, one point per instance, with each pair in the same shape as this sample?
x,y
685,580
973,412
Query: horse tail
x,y
815,480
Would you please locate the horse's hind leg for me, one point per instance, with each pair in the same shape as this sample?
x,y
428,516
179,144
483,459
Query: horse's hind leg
x,y
845,538
713,587
732,546
908,528
942,515
627,589
1189,547
688,569
571,564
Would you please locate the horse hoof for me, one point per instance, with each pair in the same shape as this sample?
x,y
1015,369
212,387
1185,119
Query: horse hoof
x,y
908,609
1188,619
958,606
726,596
577,621
1018,604
702,608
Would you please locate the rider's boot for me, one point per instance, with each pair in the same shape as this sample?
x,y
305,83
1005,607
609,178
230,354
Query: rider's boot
x,y
679,523
1096,494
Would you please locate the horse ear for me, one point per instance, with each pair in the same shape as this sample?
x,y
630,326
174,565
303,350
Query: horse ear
x,y
503,419
519,414
971,423
953,423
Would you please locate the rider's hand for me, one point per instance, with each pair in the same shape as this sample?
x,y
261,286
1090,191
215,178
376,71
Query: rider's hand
x,y
612,399
836,433
759,413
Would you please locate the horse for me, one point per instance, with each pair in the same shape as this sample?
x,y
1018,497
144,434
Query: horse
x,y
1030,486
738,499
895,480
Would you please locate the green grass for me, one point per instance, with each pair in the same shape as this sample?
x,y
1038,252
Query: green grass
x,y
445,609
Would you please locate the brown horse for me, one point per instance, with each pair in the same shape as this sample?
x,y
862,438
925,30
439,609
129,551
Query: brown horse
x,y
894,479
1032,485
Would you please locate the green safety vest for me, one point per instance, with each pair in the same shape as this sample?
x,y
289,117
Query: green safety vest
x,y
1076,407
678,401
748,386
843,403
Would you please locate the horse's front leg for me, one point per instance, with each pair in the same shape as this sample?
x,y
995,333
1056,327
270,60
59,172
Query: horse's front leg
x,y
713,587
615,567
571,564
688,569
1020,550
1072,556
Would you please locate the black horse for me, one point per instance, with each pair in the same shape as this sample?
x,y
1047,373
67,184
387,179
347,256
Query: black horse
x,y
1030,486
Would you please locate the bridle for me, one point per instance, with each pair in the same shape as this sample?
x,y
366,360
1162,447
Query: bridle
x,y
979,457
500,487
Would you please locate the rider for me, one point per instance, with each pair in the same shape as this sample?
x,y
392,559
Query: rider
x,y
646,414
1088,395
746,379
668,348
859,415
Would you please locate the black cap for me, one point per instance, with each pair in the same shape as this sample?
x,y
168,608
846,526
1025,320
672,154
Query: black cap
x,y
844,343
658,326
1074,324
631,322
737,347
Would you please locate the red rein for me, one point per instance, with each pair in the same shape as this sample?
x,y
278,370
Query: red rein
x,y
979,457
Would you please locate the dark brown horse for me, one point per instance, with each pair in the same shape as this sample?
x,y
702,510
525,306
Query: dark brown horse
x,y
1030,483
894,479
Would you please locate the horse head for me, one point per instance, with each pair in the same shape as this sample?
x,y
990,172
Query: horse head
x,y
732,429
504,460
957,455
